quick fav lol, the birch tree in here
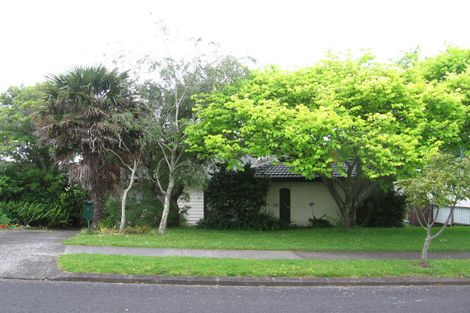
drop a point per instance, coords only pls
(130, 160)
(168, 103)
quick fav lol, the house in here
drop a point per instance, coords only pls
(290, 197)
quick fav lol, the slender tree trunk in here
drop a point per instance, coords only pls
(166, 204)
(429, 236)
(124, 198)
(424, 252)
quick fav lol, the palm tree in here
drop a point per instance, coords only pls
(77, 125)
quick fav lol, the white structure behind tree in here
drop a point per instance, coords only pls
(460, 215)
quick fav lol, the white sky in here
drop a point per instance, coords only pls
(42, 37)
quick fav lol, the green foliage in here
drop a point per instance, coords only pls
(37, 214)
(334, 112)
(4, 219)
(452, 70)
(382, 209)
(137, 213)
(17, 140)
(260, 221)
(40, 190)
(31, 184)
(452, 61)
(362, 119)
(234, 200)
(442, 182)
(142, 210)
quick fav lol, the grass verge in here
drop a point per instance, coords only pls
(329, 239)
(182, 266)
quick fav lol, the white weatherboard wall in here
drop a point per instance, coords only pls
(193, 201)
(301, 194)
(461, 214)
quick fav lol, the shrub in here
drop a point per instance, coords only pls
(260, 221)
(138, 213)
(42, 197)
(234, 200)
(36, 214)
(4, 219)
(383, 209)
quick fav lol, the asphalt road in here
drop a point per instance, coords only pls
(46, 296)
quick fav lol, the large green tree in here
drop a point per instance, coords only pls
(353, 117)
(77, 124)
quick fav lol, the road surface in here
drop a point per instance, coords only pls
(21, 296)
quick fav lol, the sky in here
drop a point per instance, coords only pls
(49, 37)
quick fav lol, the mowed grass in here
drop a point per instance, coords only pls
(188, 266)
(329, 239)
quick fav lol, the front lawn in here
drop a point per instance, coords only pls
(176, 266)
(328, 239)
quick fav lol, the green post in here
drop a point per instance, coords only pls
(88, 214)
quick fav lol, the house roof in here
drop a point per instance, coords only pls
(282, 171)
(276, 171)
(464, 204)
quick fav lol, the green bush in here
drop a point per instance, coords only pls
(383, 209)
(138, 213)
(234, 200)
(36, 214)
(4, 219)
(39, 197)
(260, 221)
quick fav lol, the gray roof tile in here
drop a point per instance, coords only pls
(279, 171)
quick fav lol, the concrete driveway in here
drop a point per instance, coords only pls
(31, 254)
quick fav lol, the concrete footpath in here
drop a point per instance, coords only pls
(259, 254)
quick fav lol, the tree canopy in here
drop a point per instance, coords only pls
(355, 117)
(17, 107)
(452, 69)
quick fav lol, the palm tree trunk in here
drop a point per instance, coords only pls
(97, 198)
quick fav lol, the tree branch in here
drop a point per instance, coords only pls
(447, 220)
(157, 180)
(418, 217)
(162, 147)
(120, 158)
